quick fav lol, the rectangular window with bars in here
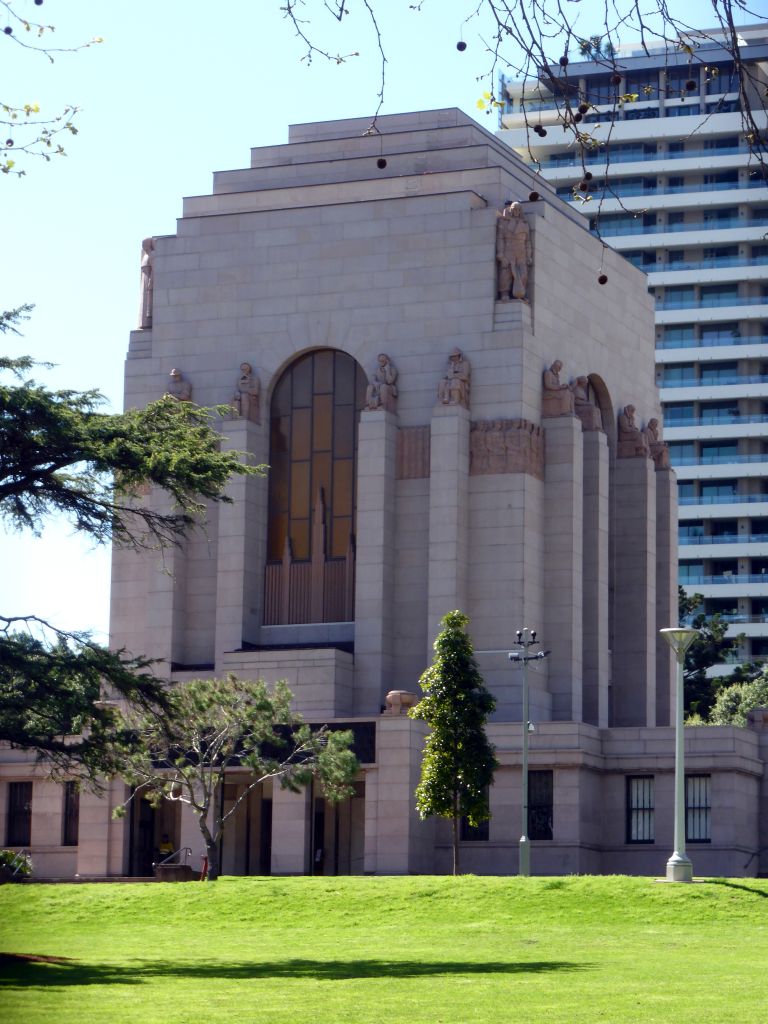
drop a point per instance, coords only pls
(698, 809)
(640, 809)
(19, 824)
(70, 824)
(540, 804)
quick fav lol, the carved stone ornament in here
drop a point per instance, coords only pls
(399, 701)
(557, 398)
(145, 303)
(382, 388)
(246, 400)
(453, 389)
(589, 414)
(513, 254)
(506, 446)
(658, 448)
(178, 387)
(632, 441)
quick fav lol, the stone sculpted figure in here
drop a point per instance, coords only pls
(178, 388)
(557, 399)
(513, 253)
(453, 389)
(382, 389)
(145, 306)
(246, 399)
(632, 441)
(658, 448)
(584, 407)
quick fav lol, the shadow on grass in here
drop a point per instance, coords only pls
(735, 885)
(25, 971)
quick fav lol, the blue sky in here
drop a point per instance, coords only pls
(178, 89)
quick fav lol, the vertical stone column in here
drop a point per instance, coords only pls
(634, 594)
(290, 831)
(595, 594)
(375, 559)
(448, 515)
(397, 842)
(563, 563)
(667, 612)
(103, 840)
(242, 543)
(166, 598)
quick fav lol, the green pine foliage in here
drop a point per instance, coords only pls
(61, 455)
(459, 762)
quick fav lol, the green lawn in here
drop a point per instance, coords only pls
(386, 951)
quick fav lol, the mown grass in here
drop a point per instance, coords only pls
(394, 950)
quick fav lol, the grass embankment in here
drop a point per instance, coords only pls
(387, 951)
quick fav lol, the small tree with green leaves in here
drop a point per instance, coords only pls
(733, 703)
(459, 762)
(212, 726)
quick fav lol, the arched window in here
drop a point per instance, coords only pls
(313, 470)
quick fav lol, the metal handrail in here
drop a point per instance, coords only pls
(186, 850)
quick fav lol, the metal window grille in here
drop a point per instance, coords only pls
(71, 815)
(698, 809)
(540, 804)
(640, 809)
(19, 830)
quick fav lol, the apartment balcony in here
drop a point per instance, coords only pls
(728, 387)
(750, 308)
(725, 428)
(742, 585)
(726, 271)
(722, 507)
(729, 467)
(728, 546)
(712, 348)
(689, 197)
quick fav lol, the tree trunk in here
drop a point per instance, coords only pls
(455, 833)
(212, 853)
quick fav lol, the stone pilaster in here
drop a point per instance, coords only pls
(290, 831)
(375, 559)
(166, 604)
(667, 611)
(242, 538)
(633, 693)
(595, 593)
(563, 563)
(397, 842)
(448, 515)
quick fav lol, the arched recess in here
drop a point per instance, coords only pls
(314, 416)
(604, 403)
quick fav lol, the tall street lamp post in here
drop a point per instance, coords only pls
(526, 638)
(679, 867)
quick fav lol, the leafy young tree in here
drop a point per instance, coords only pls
(734, 702)
(710, 648)
(459, 761)
(212, 726)
(61, 455)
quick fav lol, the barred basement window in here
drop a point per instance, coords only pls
(640, 809)
(540, 804)
(70, 825)
(698, 809)
(19, 828)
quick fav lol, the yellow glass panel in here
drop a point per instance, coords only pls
(301, 434)
(323, 373)
(300, 507)
(342, 487)
(322, 422)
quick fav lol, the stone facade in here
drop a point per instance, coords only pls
(515, 506)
